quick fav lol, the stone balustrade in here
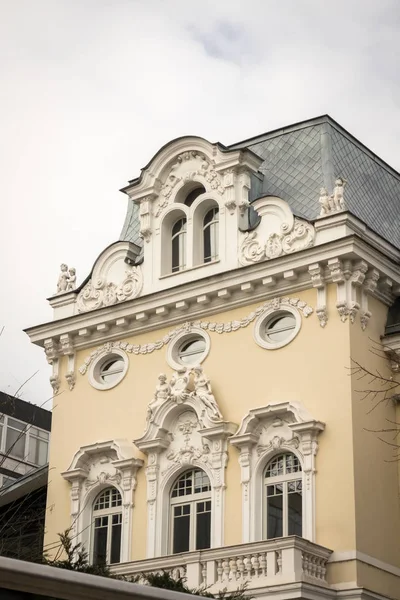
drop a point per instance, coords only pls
(258, 565)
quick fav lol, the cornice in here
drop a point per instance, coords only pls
(236, 288)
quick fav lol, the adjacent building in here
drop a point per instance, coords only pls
(212, 420)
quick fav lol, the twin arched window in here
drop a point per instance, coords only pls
(209, 240)
(107, 527)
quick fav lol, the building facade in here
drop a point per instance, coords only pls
(24, 438)
(212, 421)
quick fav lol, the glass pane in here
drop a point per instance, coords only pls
(191, 351)
(203, 525)
(116, 539)
(175, 254)
(294, 513)
(15, 443)
(100, 541)
(111, 370)
(181, 530)
(16, 424)
(279, 329)
(274, 516)
(275, 466)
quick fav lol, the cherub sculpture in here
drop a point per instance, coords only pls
(338, 199)
(63, 279)
(324, 202)
(203, 391)
(71, 285)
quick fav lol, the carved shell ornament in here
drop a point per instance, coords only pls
(220, 328)
(252, 249)
(99, 293)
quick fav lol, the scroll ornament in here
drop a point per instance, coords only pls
(253, 250)
(100, 293)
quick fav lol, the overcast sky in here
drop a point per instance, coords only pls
(90, 89)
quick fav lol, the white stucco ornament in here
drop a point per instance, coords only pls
(66, 279)
(101, 292)
(186, 383)
(277, 234)
(335, 202)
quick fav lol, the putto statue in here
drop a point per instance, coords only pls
(66, 279)
(335, 202)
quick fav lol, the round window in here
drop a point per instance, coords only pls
(188, 348)
(275, 329)
(108, 370)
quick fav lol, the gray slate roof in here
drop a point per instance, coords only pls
(302, 158)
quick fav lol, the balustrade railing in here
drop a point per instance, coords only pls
(258, 564)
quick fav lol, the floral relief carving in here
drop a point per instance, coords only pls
(252, 249)
(219, 328)
(103, 477)
(99, 293)
(188, 166)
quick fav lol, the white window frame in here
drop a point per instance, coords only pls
(174, 346)
(212, 226)
(284, 479)
(94, 373)
(106, 512)
(192, 499)
(27, 435)
(181, 235)
(268, 316)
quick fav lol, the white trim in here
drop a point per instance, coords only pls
(267, 316)
(178, 340)
(348, 555)
(96, 366)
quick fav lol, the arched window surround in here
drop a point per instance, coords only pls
(172, 215)
(200, 208)
(205, 447)
(94, 468)
(264, 433)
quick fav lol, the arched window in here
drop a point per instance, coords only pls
(210, 235)
(283, 497)
(193, 194)
(107, 526)
(179, 245)
(191, 512)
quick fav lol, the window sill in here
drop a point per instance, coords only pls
(190, 269)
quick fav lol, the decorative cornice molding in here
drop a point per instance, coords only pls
(220, 328)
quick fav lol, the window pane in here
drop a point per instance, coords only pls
(279, 329)
(111, 370)
(100, 541)
(274, 516)
(294, 512)
(16, 424)
(181, 529)
(116, 539)
(15, 443)
(191, 351)
(203, 525)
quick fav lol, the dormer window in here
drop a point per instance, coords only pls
(179, 245)
(210, 235)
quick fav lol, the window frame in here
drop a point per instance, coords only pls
(192, 500)
(181, 236)
(95, 369)
(283, 479)
(26, 431)
(109, 512)
(267, 317)
(179, 340)
(213, 225)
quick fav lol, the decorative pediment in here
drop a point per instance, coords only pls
(114, 279)
(278, 232)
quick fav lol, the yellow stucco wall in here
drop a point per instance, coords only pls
(375, 465)
(313, 370)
